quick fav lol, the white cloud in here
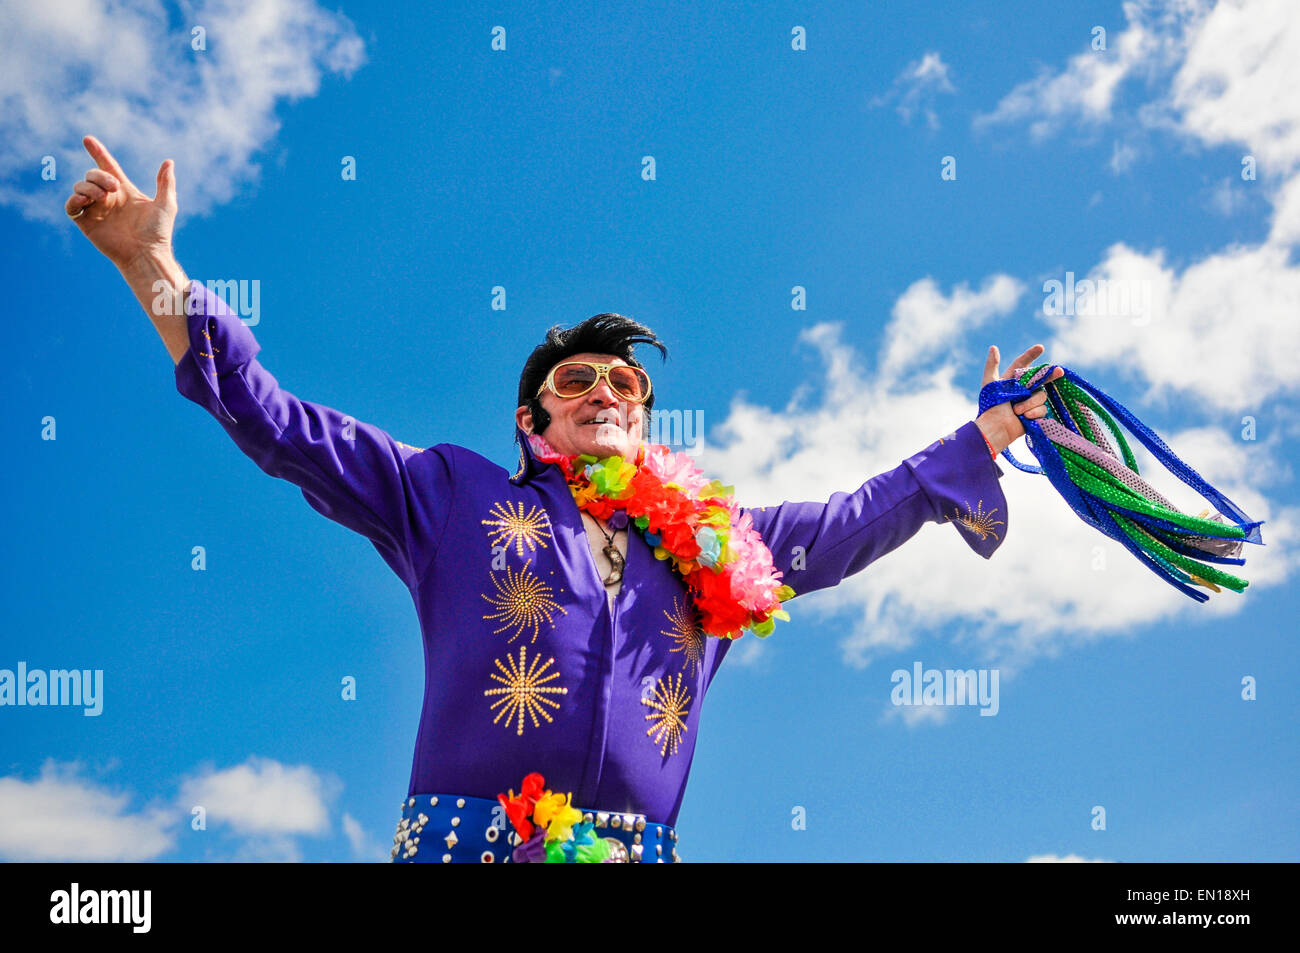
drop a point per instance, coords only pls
(1237, 86)
(915, 716)
(924, 319)
(266, 849)
(1228, 196)
(1219, 74)
(1084, 91)
(63, 816)
(749, 652)
(262, 797)
(1222, 72)
(1239, 77)
(1066, 859)
(1122, 157)
(1286, 215)
(1223, 332)
(123, 72)
(363, 847)
(916, 88)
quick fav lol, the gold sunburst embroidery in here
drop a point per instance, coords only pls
(688, 635)
(523, 600)
(409, 447)
(669, 715)
(978, 522)
(524, 690)
(513, 525)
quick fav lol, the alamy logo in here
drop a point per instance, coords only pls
(933, 686)
(59, 686)
(242, 296)
(102, 906)
(1099, 298)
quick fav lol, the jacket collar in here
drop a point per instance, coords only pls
(529, 465)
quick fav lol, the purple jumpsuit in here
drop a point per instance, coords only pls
(527, 666)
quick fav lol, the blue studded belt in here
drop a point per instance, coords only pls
(450, 829)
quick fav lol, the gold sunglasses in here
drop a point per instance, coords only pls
(575, 378)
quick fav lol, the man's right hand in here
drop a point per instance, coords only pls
(119, 219)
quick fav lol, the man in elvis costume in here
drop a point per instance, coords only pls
(554, 642)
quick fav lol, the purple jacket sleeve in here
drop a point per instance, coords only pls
(954, 479)
(392, 493)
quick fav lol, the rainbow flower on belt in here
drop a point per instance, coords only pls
(690, 520)
(552, 829)
(519, 807)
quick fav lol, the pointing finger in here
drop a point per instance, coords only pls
(103, 158)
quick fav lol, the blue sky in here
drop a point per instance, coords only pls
(775, 168)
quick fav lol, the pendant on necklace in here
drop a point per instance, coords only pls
(616, 562)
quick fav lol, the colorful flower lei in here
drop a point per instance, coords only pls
(692, 521)
(552, 831)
